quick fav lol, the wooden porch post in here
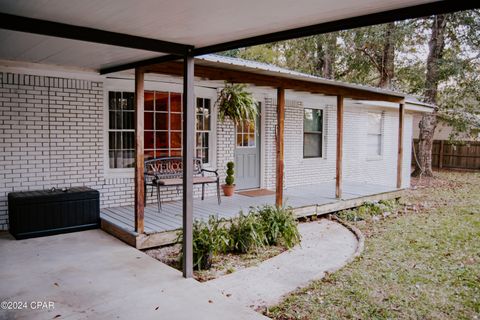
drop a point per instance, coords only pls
(188, 147)
(338, 177)
(139, 153)
(401, 116)
(280, 151)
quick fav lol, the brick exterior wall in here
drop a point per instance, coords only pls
(357, 166)
(225, 146)
(52, 135)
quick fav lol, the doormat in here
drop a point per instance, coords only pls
(257, 193)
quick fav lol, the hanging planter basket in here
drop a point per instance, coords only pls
(236, 104)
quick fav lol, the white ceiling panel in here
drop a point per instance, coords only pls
(22, 46)
(200, 22)
(194, 22)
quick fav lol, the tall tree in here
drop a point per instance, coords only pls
(429, 120)
(387, 63)
(326, 46)
(437, 58)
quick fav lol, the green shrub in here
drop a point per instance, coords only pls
(279, 226)
(368, 210)
(230, 180)
(209, 239)
(246, 233)
(349, 215)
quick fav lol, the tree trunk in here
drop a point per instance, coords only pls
(326, 54)
(387, 66)
(428, 123)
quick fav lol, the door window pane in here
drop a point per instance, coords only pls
(246, 134)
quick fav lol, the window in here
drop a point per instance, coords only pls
(312, 133)
(246, 134)
(163, 127)
(375, 123)
(163, 124)
(121, 133)
(203, 112)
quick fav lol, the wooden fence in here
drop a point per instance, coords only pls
(448, 155)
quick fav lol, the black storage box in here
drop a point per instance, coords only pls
(42, 213)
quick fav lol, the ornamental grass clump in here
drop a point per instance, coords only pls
(250, 232)
(246, 233)
(279, 225)
(209, 239)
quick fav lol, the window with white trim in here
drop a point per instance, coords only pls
(162, 127)
(375, 133)
(312, 133)
(121, 132)
(203, 129)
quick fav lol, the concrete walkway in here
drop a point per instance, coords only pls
(93, 275)
(326, 246)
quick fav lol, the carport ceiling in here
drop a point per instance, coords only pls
(203, 24)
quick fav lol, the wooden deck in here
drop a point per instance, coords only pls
(161, 227)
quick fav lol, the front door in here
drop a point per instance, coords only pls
(247, 155)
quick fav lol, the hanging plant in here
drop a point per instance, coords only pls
(235, 103)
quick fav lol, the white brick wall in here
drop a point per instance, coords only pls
(357, 167)
(51, 135)
(225, 146)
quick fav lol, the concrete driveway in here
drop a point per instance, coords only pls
(93, 275)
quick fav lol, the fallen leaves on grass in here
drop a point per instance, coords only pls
(422, 263)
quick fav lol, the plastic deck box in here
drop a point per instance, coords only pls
(48, 212)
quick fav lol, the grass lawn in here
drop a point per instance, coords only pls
(422, 262)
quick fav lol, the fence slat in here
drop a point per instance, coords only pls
(445, 154)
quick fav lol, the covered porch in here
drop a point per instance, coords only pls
(143, 40)
(161, 228)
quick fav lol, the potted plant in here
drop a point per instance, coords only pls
(235, 103)
(229, 186)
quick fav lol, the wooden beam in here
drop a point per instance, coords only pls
(218, 73)
(139, 151)
(68, 31)
(401, 120)
(140, 64)
(188, 147)
(280, 146)
(338, 176)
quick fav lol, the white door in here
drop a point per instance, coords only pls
(247, 155)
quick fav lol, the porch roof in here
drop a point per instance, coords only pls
(223, 68)
(100, 34)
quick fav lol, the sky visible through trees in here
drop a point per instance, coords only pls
(436, 59)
